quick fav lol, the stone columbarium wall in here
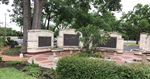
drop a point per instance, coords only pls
(144, 43)
(68, 40)
(117, 45)
(39, 41)
(120, 41)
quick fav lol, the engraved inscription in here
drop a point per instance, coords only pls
(44, 41)
(110, 43)
(71, 40)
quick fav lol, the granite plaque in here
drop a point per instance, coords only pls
(44, 41)
(71, 40)
(112, 42)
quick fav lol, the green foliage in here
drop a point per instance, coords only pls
(11, 73)
(1, 43)
(50, 73)
(1, 59)
(33, 65)
(36, 71)
(13, 51)
(9, 32)
(4, 2)
(9, 42)
(92, 36)
(131, 44)
(84, 68)
(84, 54)
(2, 32)
(77, 12)
(17, 10)
(31, 70)
(136, 21)
(16, 63)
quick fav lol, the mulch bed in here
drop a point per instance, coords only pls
(3, 64)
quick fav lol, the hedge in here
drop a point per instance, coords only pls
(71, 67)
(84, 54)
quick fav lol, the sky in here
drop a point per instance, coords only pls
(127, 5)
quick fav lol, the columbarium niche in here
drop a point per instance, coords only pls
(71, 40)
(39, 41)
(111, 43)
(68, 39)
(116, 42)
(144, 43)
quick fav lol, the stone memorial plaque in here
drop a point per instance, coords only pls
(112, 42)
(71, 40)
(44, 41)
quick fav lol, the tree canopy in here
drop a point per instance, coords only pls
(4, 1)
(65, 13)
(136, 21)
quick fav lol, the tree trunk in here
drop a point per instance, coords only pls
(26, 23)
(38, 6)
(48, 22)
(137, 37)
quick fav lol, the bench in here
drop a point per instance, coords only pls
(105, 51)
(54, 51)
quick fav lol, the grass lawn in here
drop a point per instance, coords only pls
(12, 73)
(131, 44)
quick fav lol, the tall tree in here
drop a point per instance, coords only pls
(26, 23)
(56, 11)
(17, 12)
(73, 13)
(136, 21)
(38, 7)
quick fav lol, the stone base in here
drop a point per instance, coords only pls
(39, 52)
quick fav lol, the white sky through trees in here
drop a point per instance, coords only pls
(127, 6)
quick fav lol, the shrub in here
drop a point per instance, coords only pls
(84, 54)
(49, 74)
(13, 51)
(90, 35)
(84, 68)
(34, 71)
(15, 63)
(16, 43)
(38, 72)
(9, 42)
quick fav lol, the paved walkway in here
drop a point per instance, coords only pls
(48, 60)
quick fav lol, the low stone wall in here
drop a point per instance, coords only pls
(39, 41)
(144, 43)
(119, 42)
(68, 39)
(61, 40)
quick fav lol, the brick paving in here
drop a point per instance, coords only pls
(13, 58)
(48, 60)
